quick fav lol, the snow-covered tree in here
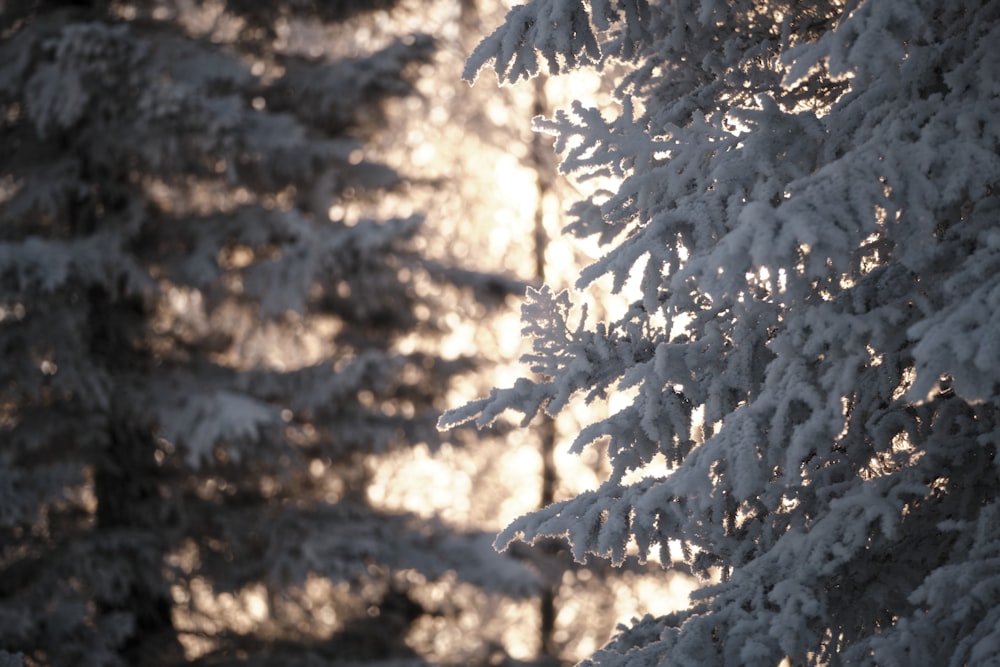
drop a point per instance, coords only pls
(806, 202)
(204, 330)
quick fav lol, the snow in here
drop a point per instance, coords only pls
(814, 199)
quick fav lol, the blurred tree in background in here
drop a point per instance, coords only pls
(206, 333)
(497, 197)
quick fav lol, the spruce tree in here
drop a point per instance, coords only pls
(806, 195)
(201, 317)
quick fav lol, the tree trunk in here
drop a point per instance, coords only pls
(546, 429)
(130, 509)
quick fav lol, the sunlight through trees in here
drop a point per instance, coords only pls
(676, 347)
(250, 252)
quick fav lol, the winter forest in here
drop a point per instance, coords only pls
(620, 333)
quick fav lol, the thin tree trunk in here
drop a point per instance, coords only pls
(546, 429)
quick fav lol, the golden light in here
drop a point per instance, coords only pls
(467, 154)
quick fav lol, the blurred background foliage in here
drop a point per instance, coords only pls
(249, 252)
